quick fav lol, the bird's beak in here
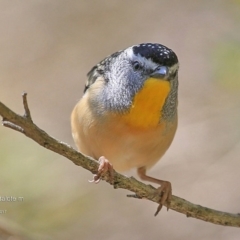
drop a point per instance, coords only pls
(160, 72)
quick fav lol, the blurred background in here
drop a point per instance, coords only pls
(47, 47)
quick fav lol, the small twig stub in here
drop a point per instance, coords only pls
(27, 113)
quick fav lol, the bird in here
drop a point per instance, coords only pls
(127, 117)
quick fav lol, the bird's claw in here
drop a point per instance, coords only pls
(104, 167)
(165, 191)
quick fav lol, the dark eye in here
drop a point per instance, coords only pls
(136, 65)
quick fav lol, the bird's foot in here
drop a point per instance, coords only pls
(104, 167)
(165, 191)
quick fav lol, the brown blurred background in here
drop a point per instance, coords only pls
(46, 49)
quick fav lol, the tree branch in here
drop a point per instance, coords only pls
(25, 125)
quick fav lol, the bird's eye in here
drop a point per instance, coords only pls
(136, 65)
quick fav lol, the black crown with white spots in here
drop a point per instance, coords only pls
(157, 53)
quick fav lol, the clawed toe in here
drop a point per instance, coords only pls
(165, 191)
(104, 167)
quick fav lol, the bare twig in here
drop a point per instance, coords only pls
(25, 125)
(27, 113)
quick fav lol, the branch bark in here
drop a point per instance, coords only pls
(25, 125)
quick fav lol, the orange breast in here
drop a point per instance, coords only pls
(145, 111)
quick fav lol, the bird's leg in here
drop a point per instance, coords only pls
(165, 190)
(104, 166)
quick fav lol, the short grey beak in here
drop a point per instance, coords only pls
(160, 72)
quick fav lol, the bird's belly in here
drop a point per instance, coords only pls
(127, 149)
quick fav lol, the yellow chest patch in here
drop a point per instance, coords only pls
(145, 111)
